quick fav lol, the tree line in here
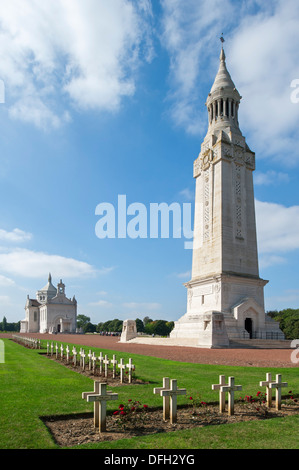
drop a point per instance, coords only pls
(5, 326)
(147, 326)
(288, 321)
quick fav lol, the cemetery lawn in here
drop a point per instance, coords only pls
(32, 386)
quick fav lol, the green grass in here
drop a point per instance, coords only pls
(31, 386)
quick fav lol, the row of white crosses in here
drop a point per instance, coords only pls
(170, 391)
(30, 342)
(103, 361)
(100, 395)
(230, 388)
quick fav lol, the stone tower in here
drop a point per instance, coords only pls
(225, 295)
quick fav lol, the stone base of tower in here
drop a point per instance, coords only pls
(207, 329)
(219, 330)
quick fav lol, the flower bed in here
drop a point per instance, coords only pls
(125, 422)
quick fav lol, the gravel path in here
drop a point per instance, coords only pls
(233, 357)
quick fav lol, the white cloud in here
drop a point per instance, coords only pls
(262, 57)
(31, 264)
(264, 60)
(189, 33)
(87, 51)
(270, 177)
(100, 303)
(6, 282)
(277, 230)
(15, 236)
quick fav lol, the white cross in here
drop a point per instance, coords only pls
(173, 392)
(52, 349)
(266, 384)
(61, 351)
(106, 361)
(47, 348)
(80, 354)
(100, 396)
(130, 366)
(94, 360)
(83, 356)
(56, 347)
(166, 399)
(67, 354)
(101, 362)
(74, 351)
(89, 359)
(221, 394)
(278, 385)
(122, 367)
(114, 363)
(231, 388)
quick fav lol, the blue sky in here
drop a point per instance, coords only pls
(107, 98)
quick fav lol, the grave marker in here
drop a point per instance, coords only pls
(278, 386)
(131, 367)
(61, 351)
(221, 394)
(94, 361)
(89, 359)
(266, 384)
(173, 393)
(56, 347)
(122, 367)
(67, 354)
(114, 363)
(231, 388)
(100, 398)
(106, 361)
(83, 356)
(74, 351)
(52, 347)
(101, 362)
(166, 399)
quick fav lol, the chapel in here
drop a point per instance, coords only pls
(51, 311)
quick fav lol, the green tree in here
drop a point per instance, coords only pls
(89, 328)
(4, 324)
(139, 325)
(82, 321)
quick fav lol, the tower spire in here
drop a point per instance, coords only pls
(224, 99)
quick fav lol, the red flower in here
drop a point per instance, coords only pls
(133, 408)
(121, 407)
(129, 400)
(258, 393)
(115, 413)
(145, 406)
(122, 412)
(190, 398)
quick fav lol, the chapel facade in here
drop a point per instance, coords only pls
(51, 311)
